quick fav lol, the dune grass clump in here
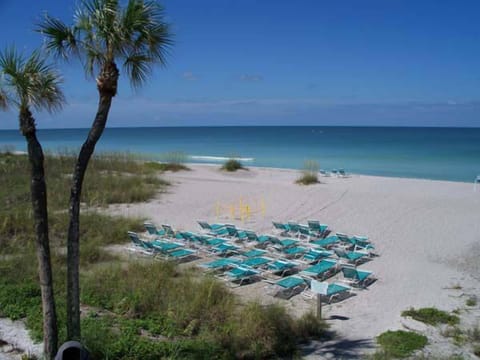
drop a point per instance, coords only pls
(233, 165)
(190, 313)
(432, 316)
(309, 173)
(172, 161)
(400, 344)
(471, 301)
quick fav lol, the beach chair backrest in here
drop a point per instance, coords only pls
(151, 229)
(314, 225)
(349, 272)
(204, 225)
(251, 236)
(168, 229)
(134, 238)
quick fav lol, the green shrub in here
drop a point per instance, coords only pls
(432, 316)
(471, 301)
(232, 165)
(309, 174)
(401, 343)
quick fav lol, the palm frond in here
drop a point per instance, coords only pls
(104, 31)
(60, 39)
(30, 81)
(137, 66)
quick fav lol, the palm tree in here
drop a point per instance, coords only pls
(102, 35)
(27, 83)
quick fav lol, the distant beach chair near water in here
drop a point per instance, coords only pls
(324, 172)
(477, 181)
(342, 173)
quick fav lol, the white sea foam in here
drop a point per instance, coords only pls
(218, 158)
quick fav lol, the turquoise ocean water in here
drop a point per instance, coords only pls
(430, 153)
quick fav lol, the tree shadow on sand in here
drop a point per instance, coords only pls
(337, 348)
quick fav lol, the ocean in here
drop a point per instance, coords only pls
(428, 153)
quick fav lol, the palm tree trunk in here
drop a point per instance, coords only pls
(107, 86)
(40, 213)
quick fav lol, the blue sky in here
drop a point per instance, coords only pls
(279, 62)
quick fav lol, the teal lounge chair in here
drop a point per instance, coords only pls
(322, 270)
(313, 255)
(253, 253)
(165, 246)
(287, 287)
(225, 249)
(240, 275)
(294, 252)
(305, 232)
(334, 291)
(221, 264)
(283, 243)
(180, 254)
(139, 245)
(320, 229)
(351, 256)
(168, 230)
(256, 262)
(294, 228)
(327, 242)
(281, 267)
(152, 229)
(281, 228)
(357, 277)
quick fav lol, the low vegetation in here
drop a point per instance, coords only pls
(309, 173)
(172, 161)
(233, 165)
(135, 309)
(432, 316)
(399, 344)
(471, 301)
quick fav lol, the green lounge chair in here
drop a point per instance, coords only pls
(287, 287)
(357, 277)
(322, 270)
(152, 229)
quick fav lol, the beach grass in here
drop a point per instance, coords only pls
(431, 316)
(232, 165)
(400, 344)
(309, 173)
(132, 310)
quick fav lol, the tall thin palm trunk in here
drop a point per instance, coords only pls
(107, 86)
(39, 202)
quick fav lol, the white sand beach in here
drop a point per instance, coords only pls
(427, 234)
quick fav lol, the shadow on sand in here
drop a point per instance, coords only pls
(337, 348)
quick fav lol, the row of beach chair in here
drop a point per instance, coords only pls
(288, 261)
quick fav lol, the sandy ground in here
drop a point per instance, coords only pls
(427, 234)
